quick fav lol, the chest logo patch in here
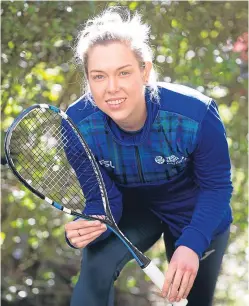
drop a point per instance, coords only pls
(170, 160)
(160, 160)
(106, 163)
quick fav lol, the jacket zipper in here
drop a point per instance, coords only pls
(139, 167)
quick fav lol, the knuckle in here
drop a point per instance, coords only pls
(180, 295)
(184, 285)
(192, 271)
(173, 264)
(182, 290)
(92, 235)
(89, 236)
(81, 244)
(97, 234)
(175, 287)
(69, 235)
(182, 269)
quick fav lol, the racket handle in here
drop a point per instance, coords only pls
(158, 279)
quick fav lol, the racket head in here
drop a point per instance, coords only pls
(37, 161)
(47, 153)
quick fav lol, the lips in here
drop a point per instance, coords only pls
(116, 101)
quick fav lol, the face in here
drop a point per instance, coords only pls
(117, 83)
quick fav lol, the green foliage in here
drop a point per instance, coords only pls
(192, 43)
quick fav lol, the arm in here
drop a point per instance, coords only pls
(82, 166)
(213, 175)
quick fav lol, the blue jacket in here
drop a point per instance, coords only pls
(177, 164)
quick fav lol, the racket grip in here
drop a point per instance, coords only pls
(158, 279)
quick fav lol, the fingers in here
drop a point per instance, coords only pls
(185, 287)
(190, 285)
(180, 287)
(175, 285)
(178, 283)
(80, 223)
(85, 239)
(183, 269)
(81, 232)
(169, 279)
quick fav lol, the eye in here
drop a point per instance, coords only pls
(98, 77)
(124, 73)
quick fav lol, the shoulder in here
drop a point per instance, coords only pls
(81, 109)
(183, 100)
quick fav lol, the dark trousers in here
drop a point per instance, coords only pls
(103, 261)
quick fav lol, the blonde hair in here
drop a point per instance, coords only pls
(117, 24)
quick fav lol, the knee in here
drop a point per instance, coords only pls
(97, 264)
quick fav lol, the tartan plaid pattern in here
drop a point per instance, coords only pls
(171, 140)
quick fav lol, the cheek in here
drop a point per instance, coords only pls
(137, 87)
(96, 90)
(132, 83)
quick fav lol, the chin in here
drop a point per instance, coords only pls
(123, 118)
(118, 117)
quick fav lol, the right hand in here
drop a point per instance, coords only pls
(81, 232)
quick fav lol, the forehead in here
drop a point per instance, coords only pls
(111, 56)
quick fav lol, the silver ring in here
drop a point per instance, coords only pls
(78, 232)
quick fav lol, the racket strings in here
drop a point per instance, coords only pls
(62, 142)
(48, 176)
(38, 148)
(38, 154)
(74, 160)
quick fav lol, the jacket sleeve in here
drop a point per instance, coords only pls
(81, 164)
(212, 171)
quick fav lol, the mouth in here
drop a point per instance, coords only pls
(117, 101)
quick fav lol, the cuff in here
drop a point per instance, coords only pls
(193, 239)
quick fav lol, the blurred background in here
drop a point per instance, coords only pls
(201, 44)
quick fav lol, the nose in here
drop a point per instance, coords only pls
(112, 86)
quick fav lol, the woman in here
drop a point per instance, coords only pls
(165, 160)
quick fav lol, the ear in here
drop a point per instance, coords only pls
(146, 72)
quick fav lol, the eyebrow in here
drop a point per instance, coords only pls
(122, 67)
